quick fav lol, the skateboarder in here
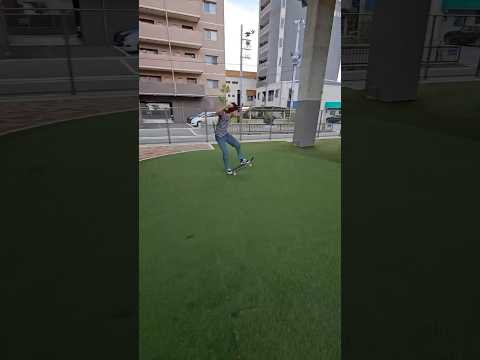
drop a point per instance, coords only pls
(223, 137)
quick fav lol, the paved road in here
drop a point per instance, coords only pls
(93, 70)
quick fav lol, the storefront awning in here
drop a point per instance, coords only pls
(461, 5)
(333, 105)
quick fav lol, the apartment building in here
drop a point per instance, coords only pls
(182, 54)
(232, 79)
(276, 85)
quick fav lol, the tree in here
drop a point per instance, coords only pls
(225, 89)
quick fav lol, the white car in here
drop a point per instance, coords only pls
(198, 119)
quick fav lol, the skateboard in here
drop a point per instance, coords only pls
(239, 167)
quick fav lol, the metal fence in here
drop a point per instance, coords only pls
(45, 50)
(168, 126)
(452, 47)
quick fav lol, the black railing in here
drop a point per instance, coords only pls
(452, 46)
(177, 125)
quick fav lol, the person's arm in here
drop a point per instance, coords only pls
(221, 111)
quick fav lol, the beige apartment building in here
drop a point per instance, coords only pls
(182, 54)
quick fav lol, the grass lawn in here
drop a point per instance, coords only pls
(410, 246)
(244, 267)
(68, 247)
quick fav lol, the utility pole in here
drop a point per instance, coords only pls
(296, 57)
(247, 48)
(241, 70)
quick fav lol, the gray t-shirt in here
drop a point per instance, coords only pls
(222, 127)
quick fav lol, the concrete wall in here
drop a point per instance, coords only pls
(248, 84)
(273, 40)
(331, 92)
(182, 107)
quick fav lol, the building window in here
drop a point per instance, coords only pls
(191, 80)
(280, 61)
(152, 78)
(189, 54)
(228, 81)
(211, 35)
(187, 27)
(212, 84)
(235, 82)
(210, 7)
(148, 51)
(276, 93)
(210, 59)
(270, 95)
(250, 98)
(149, 21)
(262, 78)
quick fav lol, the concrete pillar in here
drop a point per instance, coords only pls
(396, 47)
(312, 70)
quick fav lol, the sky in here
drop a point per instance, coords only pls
(239, 12)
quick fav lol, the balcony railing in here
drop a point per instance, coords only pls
(157, 33)
(266, 9)
(263, 49)
(185, 10)
(264, 4)
(264, 30)
(165, 63)
(153, 87)
(262, 65)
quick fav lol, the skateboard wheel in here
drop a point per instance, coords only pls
(250, 165)
(234, 174)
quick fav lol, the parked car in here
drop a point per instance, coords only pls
(198, 119)
(127, 40)
(467, 35)
(334, 123)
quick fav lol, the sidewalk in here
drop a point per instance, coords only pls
(38, 111)
(153, 151)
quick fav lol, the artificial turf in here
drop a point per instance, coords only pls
(241, 267)
(410, 244)
(69, 240)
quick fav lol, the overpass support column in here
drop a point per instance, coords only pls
(312, 70)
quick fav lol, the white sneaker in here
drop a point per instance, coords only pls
(244, 162)
(229, 172)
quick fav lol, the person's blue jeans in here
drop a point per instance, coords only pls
(222, 143)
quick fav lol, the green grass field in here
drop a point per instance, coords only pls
(68, 240)
(244, 267)
(410, 181)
